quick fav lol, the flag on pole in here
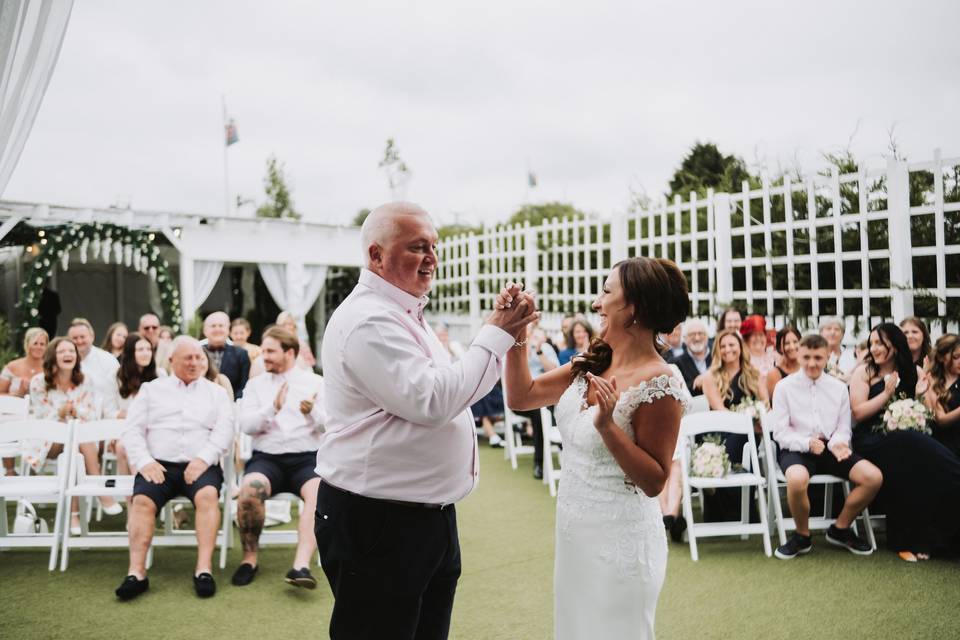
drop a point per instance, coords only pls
(232, 135)
(531, 179)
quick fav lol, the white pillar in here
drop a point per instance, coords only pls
(898, 225)
(187, 305)
(724, 253)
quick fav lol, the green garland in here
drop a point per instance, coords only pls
(130, 247)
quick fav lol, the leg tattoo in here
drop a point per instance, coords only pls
(250, 514)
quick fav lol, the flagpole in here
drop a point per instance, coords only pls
(226, 168)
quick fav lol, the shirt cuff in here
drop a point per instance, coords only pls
(837, 439)
(494, 339)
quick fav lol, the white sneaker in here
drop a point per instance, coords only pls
(496, 441)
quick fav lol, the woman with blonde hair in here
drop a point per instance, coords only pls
(15, 376)
(730, 381)
(943, 392)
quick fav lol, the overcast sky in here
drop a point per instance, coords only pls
(594, 96)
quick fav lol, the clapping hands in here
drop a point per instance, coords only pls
(607, 395)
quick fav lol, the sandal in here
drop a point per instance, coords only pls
(907, 556)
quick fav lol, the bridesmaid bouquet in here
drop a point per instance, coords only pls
(906, 414)
(753, 408)
(710, 459)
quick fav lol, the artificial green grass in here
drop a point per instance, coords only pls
(506, 534)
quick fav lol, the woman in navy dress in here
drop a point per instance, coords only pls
(921, 477)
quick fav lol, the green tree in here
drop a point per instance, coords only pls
(279, 203)
(705, 167)
(361, 217)
(536, 214)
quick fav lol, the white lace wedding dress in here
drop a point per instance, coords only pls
(611, 548)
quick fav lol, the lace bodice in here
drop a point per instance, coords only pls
(594, 486)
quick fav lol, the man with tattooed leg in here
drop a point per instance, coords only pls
(283, 411)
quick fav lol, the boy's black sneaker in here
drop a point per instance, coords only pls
(793, 547)
(847, 539)
(131, 587)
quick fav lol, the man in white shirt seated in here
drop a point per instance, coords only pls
(178, 428)
(283, 411)
(98, 365)
(811, 423)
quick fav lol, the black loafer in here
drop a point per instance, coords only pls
(538, 472)
(677, 528)
(301, 578)
(244, 574)
(131, 587)
(204, 585)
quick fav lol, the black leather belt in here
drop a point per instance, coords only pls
(401, 503)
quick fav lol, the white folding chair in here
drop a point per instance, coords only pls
(12, 408)
(551, 445)
(512, 436)
(86, 488)
(36, 488)
(729, 422)
(776, 480)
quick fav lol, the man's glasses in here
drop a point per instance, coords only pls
(151, 327)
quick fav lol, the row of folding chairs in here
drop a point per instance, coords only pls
(761, 476)
(70, 480)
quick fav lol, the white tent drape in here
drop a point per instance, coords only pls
(205, 276)
(295, 287)
(31, 33)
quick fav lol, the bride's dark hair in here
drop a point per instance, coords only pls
(657, 289)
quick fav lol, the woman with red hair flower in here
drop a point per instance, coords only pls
(754, 333)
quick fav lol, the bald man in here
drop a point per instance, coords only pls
(399, 448)
(178, 428)
(229, 360)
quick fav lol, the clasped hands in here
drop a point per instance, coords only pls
(514, 309)
(840, 450)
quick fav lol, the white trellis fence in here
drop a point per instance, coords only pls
(872, 245)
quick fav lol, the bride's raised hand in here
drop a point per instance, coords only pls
(508, 295)
(607, 395)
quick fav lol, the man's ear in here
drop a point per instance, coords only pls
(375, 253)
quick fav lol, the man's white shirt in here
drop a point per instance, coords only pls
(177, 422)
(287, 430)
(100, 368)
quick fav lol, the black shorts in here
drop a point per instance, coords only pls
(287, 472)
(825, 463)
(173, 484)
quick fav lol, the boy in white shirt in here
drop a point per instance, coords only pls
(811, 423)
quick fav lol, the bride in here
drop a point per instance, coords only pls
(618, 407)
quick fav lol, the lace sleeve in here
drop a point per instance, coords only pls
(649, 391)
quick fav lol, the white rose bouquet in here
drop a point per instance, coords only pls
(906, 414)
(753, 408)
(710, 459)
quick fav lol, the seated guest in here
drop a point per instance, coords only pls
(541, 358)
(209, 371)
(754, 332)
(918, 339)
(696, 360)
(283, 411)
(787, 344)
(842, 361)
(166, 334)
(811, 423)
(114, 339)
(452, 347)
(488, 410)
(921, 477)
(577, 338)
(943, 394)
(228, 359)
(98, 366)
(305, 360)
(861, 351)
(137, 367)
(62, 392)
(177, 430)
(16, 375)
(730, 381)
(674, 343)
(729, 319)
(240, 331)
(149, 327)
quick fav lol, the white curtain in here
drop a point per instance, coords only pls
(205, 276)
(295, 288)
(31, 32)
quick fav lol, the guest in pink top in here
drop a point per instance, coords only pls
(399, 447)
